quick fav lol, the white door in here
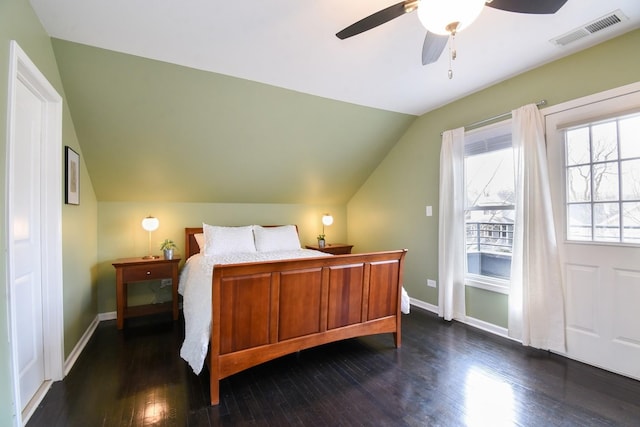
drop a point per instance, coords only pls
(34, 240)
(602, 277)
(25, 236)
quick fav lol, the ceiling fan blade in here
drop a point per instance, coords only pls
(432, 48)
(372, 21)
(538, 7)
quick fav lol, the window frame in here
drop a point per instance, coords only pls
(589, 123)
(489, 283)
(614, 102)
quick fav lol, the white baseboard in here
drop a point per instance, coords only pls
(424, 305)
(75, 353)
(486, 326)
(111, 315)
(82, 343)
(35, 401)
(471, 321)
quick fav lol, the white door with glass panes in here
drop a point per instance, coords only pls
(594, 163)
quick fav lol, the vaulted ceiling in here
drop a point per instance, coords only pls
(254, 101)
(152, 131)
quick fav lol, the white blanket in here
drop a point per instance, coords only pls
(195, 287)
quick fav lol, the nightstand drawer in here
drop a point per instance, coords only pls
(146, 272)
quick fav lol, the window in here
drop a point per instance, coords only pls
(602, 161)
(489, 204)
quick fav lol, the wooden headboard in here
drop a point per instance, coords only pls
(191, 246)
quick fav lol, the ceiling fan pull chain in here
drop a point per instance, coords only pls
(452, 53)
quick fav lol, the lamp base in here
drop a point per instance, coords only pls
(150, 257)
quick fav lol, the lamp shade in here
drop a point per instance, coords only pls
(327, 219)
(437, 15)
(150, 223)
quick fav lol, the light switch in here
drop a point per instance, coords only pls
(429, 211)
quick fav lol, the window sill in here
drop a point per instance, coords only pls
(488, 284)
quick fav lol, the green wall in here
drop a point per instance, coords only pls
(121, 235)
(389, 209)
(153, 131)
(18, 22)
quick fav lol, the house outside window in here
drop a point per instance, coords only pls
(602, 168)
(489, 206)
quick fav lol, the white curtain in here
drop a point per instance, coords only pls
(451, 234)
(536, 302)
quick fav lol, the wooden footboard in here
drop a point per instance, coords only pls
(265, 310)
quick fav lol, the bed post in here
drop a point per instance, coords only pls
(214, 361)
(214, 388)
(397, 335)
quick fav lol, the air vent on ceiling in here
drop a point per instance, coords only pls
(599, 24)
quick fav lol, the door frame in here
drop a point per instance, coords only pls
(559, 209)
(23, 70)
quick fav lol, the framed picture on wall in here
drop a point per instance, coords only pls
(71, 177)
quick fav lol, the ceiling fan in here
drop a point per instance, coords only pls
(444, 18)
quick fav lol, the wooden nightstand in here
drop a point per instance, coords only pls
(333, 248)
(129, 270)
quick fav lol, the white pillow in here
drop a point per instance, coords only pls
(270, 239)
(200, 241)
(221, 240)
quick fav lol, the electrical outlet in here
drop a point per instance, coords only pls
(431, 283)
(165, 282)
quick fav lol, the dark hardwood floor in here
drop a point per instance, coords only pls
(445, 374)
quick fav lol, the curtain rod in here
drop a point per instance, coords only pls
(499, 116)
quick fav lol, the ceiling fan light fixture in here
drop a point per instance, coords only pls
(448, 16)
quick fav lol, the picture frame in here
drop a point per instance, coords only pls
(71, 177)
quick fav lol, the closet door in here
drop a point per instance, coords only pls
(25, 238)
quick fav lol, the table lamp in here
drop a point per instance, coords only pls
(150, 224)
(327, 220)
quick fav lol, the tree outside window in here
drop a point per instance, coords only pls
(603, 181)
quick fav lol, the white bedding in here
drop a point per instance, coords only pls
(195, 287)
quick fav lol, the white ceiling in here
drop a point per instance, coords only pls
(292, 44)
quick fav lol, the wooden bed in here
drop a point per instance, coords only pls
(261, 311)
